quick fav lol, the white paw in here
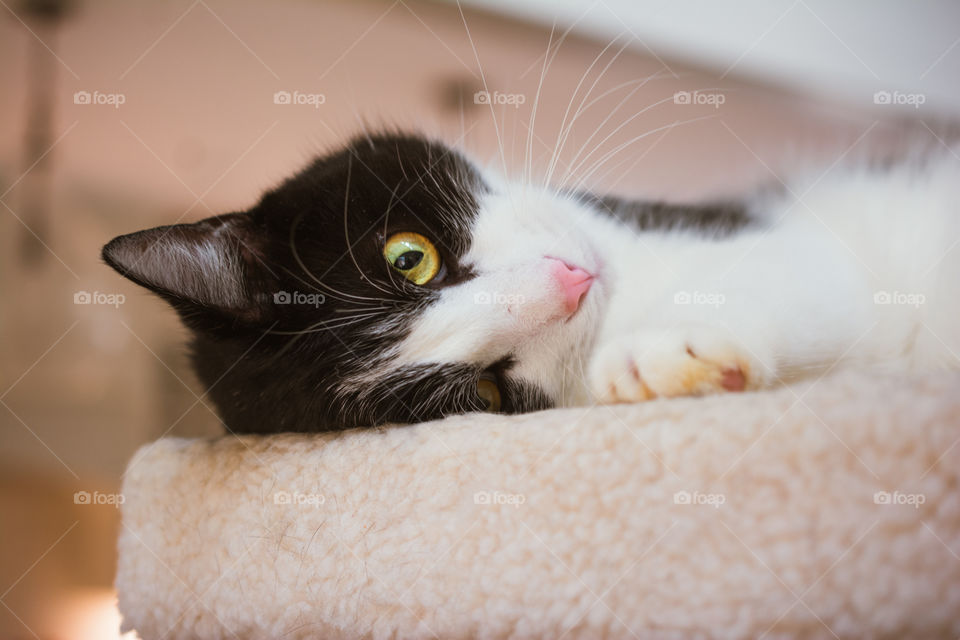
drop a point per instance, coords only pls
(688, 361)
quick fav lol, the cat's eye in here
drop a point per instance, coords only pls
(413, 256)
(489, 393)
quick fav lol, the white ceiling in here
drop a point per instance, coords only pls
(846, 50)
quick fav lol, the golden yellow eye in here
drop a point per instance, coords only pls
(489, 393)
(412, 255)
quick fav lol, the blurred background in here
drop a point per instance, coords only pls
(116, 115)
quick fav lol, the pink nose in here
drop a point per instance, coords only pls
(574, 282)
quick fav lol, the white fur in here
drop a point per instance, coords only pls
(793, 296)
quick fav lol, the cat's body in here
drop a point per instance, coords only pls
(852, 268)
(518, 298)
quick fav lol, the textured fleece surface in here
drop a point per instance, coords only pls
(738, 516)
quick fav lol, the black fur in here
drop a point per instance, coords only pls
(717, 219)
(288, 367)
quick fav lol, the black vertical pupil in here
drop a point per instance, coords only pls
(408, 260)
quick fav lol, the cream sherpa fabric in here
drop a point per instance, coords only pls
(798, 513)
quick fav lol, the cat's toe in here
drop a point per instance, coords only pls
(614, 376)
(698, 362)
(734, 380)
(723, 364)
(672, 363)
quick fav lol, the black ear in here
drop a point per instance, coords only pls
(214, 265)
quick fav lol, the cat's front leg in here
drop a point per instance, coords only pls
(687, 360)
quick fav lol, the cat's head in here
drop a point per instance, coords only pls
(390, 281)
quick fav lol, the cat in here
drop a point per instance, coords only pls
(394, 280)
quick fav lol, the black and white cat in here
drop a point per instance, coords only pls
(394, 281)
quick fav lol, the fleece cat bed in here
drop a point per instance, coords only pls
(809, 511)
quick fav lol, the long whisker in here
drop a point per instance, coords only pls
(386, 225)
(564, 127)
(596, 130)
(618, 128)
(596, 165)
(528, 153)
(296, 256)
(576, 165)
(332, 323)
(601, 179)
(643, 81)
(548, 58)
(346, 229)
(483, 78)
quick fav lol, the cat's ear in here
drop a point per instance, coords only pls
(214, 264)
